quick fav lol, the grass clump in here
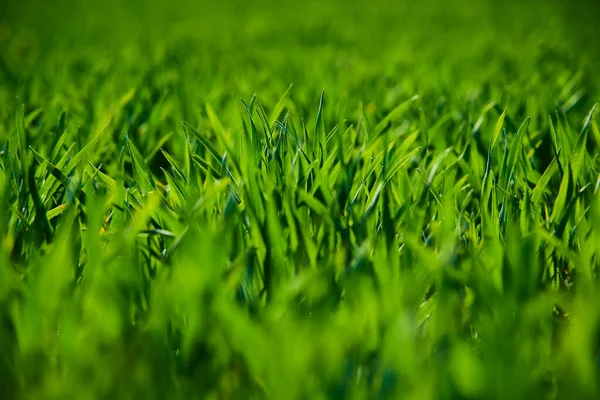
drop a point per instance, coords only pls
(428, 226)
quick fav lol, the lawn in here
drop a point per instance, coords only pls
(299, 200)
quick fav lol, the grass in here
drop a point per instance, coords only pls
(186, 212)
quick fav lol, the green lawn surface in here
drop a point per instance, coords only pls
(299, 200)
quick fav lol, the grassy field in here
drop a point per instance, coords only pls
(308, 200)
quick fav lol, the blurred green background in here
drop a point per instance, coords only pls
(358, 50)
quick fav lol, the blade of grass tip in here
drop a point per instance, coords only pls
(539, 188)
(141, 173)
(560, 228)
(254, 139)
(59, 136)
(206, 167)
(20, 129)
(387, 148)
(16, 154)
(392, 115)
(107, 180)
(305, 138)
(436, 164)
(343, 133)
(253, 100)
(494, 138)
(61, 125)
(555, 146)
(56, 211)
(510, 125)
(359, 123)
(46, 192)
(58, 145)
(589, 118)
(85, 151)
(174, 164)
(55, 171)
(400, 163)
(242, 108)
(206, 143)
(160, 232)
(84, 187)
(373, 203)
(565, 137)
(578, 155)
(279, 106)
(187, 159)
(267, 129)
(60, 164)
(331, 134)
(229, 174)
(561, 197)
(424, 127)
(41, 219)
(319, 125)
(284, 129)
(175, 190)
(513, 153)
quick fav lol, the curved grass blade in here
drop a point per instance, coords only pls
(539, 188)
(392, 115)
(141, 173)
(513, 153)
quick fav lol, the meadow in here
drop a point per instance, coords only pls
(299, 200)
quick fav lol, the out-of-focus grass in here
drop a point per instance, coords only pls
(185, 213)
